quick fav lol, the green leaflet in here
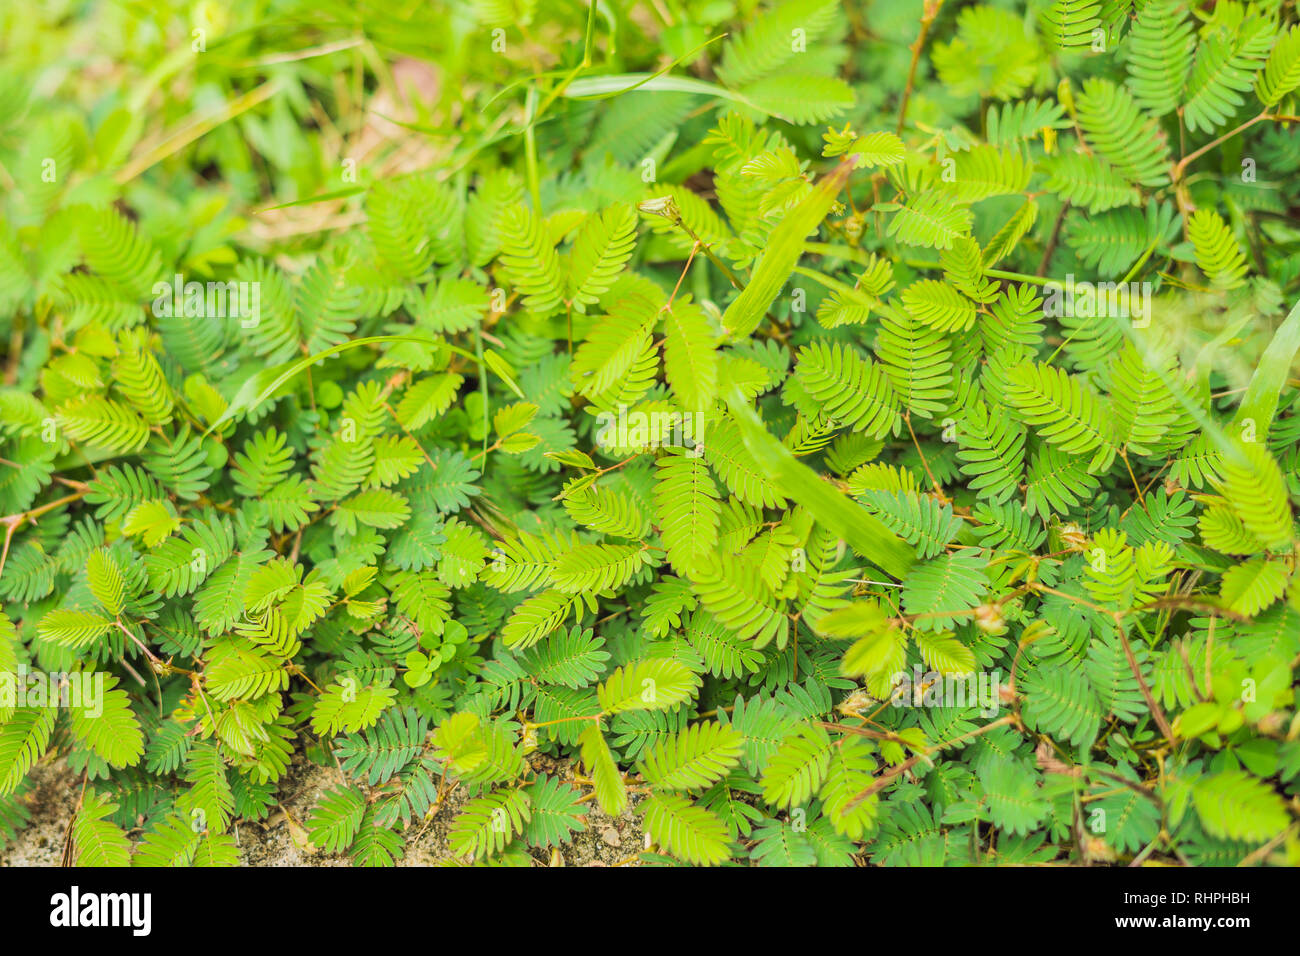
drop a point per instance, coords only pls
(269, 382)
(866, 534)
(791, 433)
(1260, 402)
(784, 247)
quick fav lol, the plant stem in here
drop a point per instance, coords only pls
(1198, 153)
(930, 11)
